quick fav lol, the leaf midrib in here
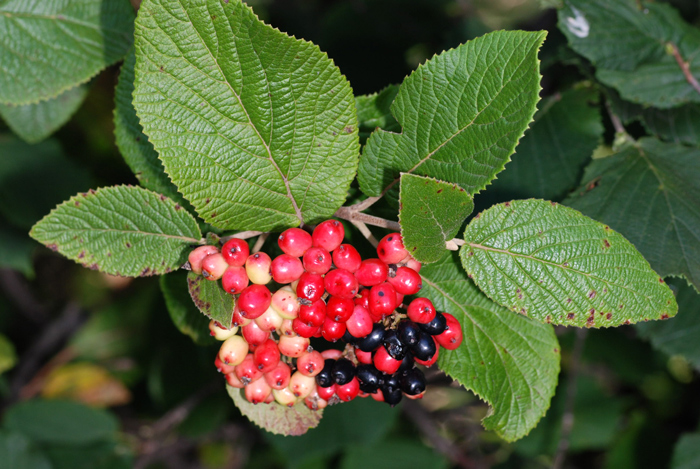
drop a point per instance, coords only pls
(139, 232)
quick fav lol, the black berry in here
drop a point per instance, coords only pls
(343, 371)
(437, 326)
(413, 382)
(393, 345)
(373, 340)
(425, 348)
(325, 378)
(408, 332)
(369, 378)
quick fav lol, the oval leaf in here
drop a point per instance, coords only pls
(120, 230)
(508, 360)
(257, 129)
(552, 263)
(50, 46)
(462, 113)
(276, 418)
(211, 299)
(431, 213)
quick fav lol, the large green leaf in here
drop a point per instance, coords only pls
(211, 299)
(686, 454)
(257, 129)
(631, 44)
(677, 125)
(276, 418)
(17, 452)
(183, 312)
(651, 194)
(462, 114)
(431, 212)
(679, 335)
(120, 230)
(553, 264)
(34, 122)
(550, 157)
(508, 360)
(50, 46)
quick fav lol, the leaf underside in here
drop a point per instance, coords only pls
(211, 299)
(508, 360)
(258, 130)
(553, 264)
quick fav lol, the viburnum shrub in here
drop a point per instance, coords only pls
(236, 131)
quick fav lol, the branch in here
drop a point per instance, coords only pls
(365, 232)
(352, 215)
(685, 67)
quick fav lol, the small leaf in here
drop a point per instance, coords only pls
(677, 125)
(258, 130)
(431, 213)
(211, 299)
(462, 114)
(184, 314)
(276, 418)
(48, 47)
(374, 111)
(553, 264)
(686, 454)
(60, 422)
(120, 230)
(650, 193)
(17, 452)
(34, 122)
(8, 356)
(508, 360)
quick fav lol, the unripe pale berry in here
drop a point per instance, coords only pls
(339, 309)
(253, 334)
(314, 402)
(371, 272)
(267, 356)
(247, 371)
(331, 354)
(310, 363)
(390, 249)
(310, 286)
(285, 304)
(341, 283)
(234, 280)
(254, 300)
(269, 320)
(328, 235)
(257, 391)
(221, 333)
(197, 256)
(360, 322)
(278, 377)
(346, 257)
(331, 330)
(293, 347)
(257, 267)
(214, 266)
(233, 350)
(382, 300)
(233, 381)
(302, 385)
(452, 337)
(286, 269)
(421, 310)
(287, 328)
(317, 261)
(284, 397)
(235, 251)
(294, 242)
(406, 281)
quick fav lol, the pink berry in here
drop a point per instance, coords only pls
(313, 314)
(233, 350)
(346, 257)
(237, 319)
(304, 329)
(339, 309)
(341, 283)
(214, 266)
(253, 334)
(310, 286)
(286, 269)
(269, 320)
(452, 337)
(293, 347)
(411, 263)
(384, 362)
(348, 391)
(406, 281)
(285, 303)
(371, 272)
(382, 300)
(328, 235)
(331, 330)
(235, 251)
(390, 249)
(247, 371)
(314, 402)
(310, 363)
(234, 280)
(421, 310)
(222, 367)
(233, 381)
(363, 357)
(257, 267)
(278, 377)
(360, 323)
(302, 385)
(258, 391)
(317, 261)
(331, 354)
(294, 242)
(254, 300)
(267, 356)
(197, 256)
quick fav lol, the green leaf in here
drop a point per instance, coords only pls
(8, 356)
(276, 418)
(550, 158)
(257, 129)
(393, 454)
(678, 336)
(678, 125)
(134, 146)
(686, 454)
(17, 452)
(34, 122)
(650, 193)
(374, 111)
(16, 250)
(184, 314)
(102, 455)
(553, 264)
(120, 230)
(631, 43)
(62, 422)
(508, 360)
(462, 113)
(52, 176)
(50, 46)
(211, 299)
(431, 213)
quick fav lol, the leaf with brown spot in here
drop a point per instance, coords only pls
(210, 298)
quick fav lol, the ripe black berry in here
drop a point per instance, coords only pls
(413, 382)
(436, 326)
(406, 364)
(325, 378)
(425, 348)
(393, 345)
(409, 332)
(349, 338)
(392, 396)
(369, 378)
(343, 371)
(373, 340)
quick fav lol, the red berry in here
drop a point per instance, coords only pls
(234, 280)
(222, 367)
(326, 393)
(317, 261)
(346, 257)
(254, 300)
(286, 304)
(304, 329)
(328, 235)
(384, 362)
(267, 356)
(339, 309)
(399, 299)
(390, 249)
(348, 391)
(310, 286)
(406, 281)
(286, 269)
(233, 350)
(235, 251)
(278, 377)
(310, 363)
(378, 396)
(382, 300)
(197, 256)
(253, 334)
(363, 299)
(371, 272)
(433, 359)
(214, 266)
(341, 283)
(247, 371)
(258, 391)
(363, 357)
(360, 323)
(293, 347)
(331, 330)
(451, 338)
(313, 314)
(233, 381)
(421, 310)
(294, 242)
(257, 267)
(237, 319)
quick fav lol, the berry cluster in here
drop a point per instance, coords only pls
(329, 292)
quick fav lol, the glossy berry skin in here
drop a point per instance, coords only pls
(310, 286)
(451, 338)
(411, 263)
(236, 252)
(197, 256)
(304, 329)
(371, 272)
(331, 330)
(313, 314)
(412, 382)
(421, 310)
(278, 377)
(234, 280)
(223, 368)
(257, 391)
(385, 362)
(369, 378)
(363, 357)
(406, 281)
(310, 363)
(435, 327)
(382, 300)
(286, 269)
(392, 396)
(326, 393)
(317, 260)
(396, 349)
(425, 348)
(239, 320)
(294, 242)
(254, 300)
(341, 283)
(247, 371)
(328, 235)
(339, 309)
(253, 334)
(432, 360)
(346, 257)
(406, 364)
(302, 385)
(233, 381)
(285, 303)
(360, 323)
(269, 320)
(390, 249)
(324, 378)
(284, 397)
(233, 350)
(257, 267)
(363, 299)
(332, 354)
(267, 356)
(373, 340)
(343, 371)
(409, 332)
(347, 392)
(293, 347)
(214, 266)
